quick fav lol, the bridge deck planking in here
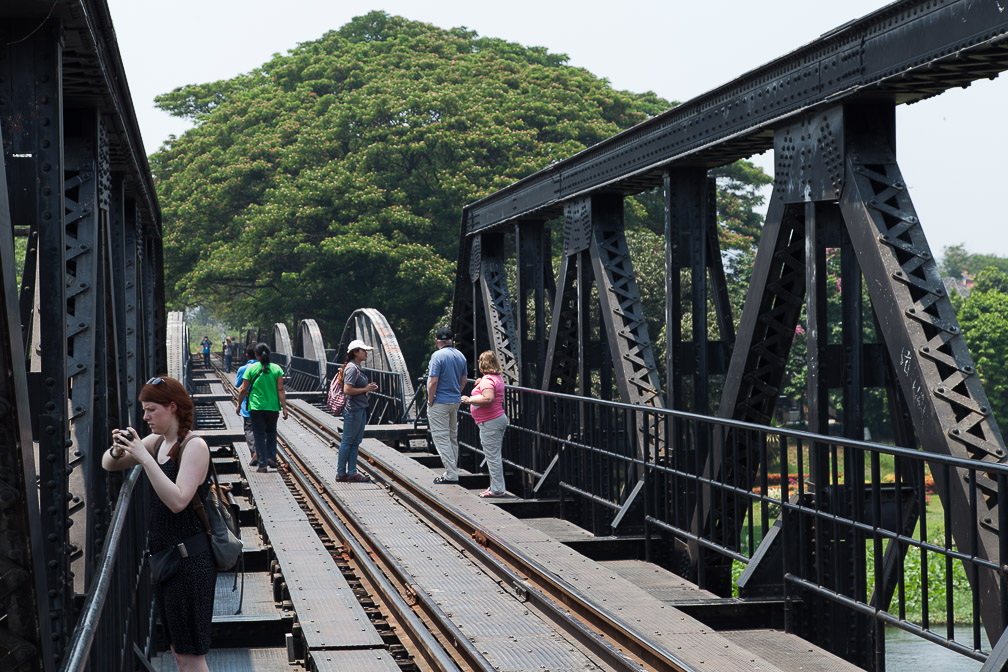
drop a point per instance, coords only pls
(232, 420)
(326, 607)
(506, 632)
(658, 582)
(684, 636)
(357, 661)
(234, 660)
(256, 602)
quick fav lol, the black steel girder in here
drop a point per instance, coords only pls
(901, 53)
(918, 324)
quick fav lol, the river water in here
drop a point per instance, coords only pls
(908, 653)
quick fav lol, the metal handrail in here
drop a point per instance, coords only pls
(79, 649)
(807, 437)
(648, 471)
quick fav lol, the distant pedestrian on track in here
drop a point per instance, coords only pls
(356, 387)
(206, 352)
(185, 598)
(246, 418)
(263, 384)
(487, 401)
(446, 376)
(228, 354)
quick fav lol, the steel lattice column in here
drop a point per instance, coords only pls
(535, 284)
(766, 332)
(84, 221)
(32, 113)
(691, 243)
(566, 360)
(493, 290)
(622, 310)
(25, 633)
(934, 369)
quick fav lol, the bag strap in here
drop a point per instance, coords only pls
(197, 504)
(256, 377)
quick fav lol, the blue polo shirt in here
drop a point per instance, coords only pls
(238, 382)
(449, 365)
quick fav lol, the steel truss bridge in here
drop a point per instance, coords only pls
(806, 517)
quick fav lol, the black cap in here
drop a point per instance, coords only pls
(444, 334)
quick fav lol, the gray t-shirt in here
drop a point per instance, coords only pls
(355, 377)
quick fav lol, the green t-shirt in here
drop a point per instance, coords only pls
(263, 395)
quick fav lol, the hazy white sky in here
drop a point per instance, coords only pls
(952, 149)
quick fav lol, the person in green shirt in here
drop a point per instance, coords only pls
(263, 385)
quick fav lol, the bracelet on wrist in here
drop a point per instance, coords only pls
(113, 453)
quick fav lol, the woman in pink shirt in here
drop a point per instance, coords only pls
(487, 401)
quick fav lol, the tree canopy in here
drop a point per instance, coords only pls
(333, 177)
(984, 321)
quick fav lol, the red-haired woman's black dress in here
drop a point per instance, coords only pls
(186, 599)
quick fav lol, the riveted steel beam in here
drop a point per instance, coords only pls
(536, 286)
(622, 311)
(24, 628)
(32, 117)
(934, 369)
(496, 300)
(903, 52)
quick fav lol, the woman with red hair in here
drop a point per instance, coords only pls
(178, 477)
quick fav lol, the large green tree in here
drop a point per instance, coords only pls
(334, 177)
(984, 321)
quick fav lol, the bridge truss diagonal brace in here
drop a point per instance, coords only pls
(622, 311)
(947, 403)
(493, 288)
(565, 362)
(24, 630)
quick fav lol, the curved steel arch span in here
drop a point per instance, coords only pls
(369, 325)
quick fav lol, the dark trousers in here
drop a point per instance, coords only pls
(227, 363)
(264, 424)
(206, 360)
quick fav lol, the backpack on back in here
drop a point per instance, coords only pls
(336, 398)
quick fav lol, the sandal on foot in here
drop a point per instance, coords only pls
(357, 478)
(441, 480)
(490, 493)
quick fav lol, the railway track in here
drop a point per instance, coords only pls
(420, 632)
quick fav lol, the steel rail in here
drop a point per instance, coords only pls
(506, 565)
(428, 645)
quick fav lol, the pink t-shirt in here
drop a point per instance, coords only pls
(496, 407)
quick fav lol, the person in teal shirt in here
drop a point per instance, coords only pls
(250, 358)
(262, 384)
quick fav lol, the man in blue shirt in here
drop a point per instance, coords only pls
(246, 418)
(446, 376)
